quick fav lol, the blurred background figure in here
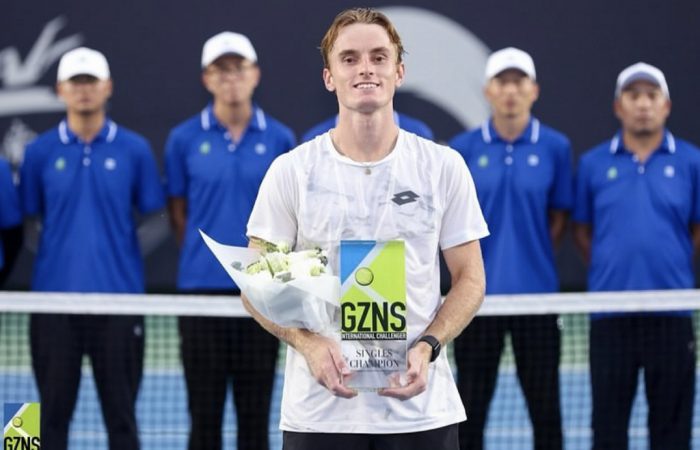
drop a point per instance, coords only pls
(638, 226)
(522, 171)
(10, 222)
(83, 180)
(215, 162)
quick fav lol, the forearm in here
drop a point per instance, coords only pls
(459, 308)
(466, 295)
(177, 213)
(582, 239)
(557, 226)
(695, 235)
(295, 337)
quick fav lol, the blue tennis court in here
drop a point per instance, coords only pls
(164, 423)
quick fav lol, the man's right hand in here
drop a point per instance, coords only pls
(326, 362)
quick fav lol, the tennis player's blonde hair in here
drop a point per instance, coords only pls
(359, 15)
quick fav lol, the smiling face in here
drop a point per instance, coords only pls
(363, 68)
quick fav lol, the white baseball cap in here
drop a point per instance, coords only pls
(641, 71)
(510, 58)
(83, 61)
(227, 43)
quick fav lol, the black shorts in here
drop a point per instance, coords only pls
(445, 438)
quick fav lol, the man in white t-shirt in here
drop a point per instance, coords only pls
(367, 180)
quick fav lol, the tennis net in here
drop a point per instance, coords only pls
(162, 405)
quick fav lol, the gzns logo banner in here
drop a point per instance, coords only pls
(21, 431)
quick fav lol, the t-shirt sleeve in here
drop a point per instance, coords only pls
(274, 215)
(10, 213)
(561, 195)
(149, 192)
(30, 185)
(462, 219)
(175, 167)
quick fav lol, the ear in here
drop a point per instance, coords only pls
(487, 92)
(59, 89)
(110, 87)
(256, 75)
(328, 80)
(536, 91)
(400, 74)
(617, 108)
(207, 81)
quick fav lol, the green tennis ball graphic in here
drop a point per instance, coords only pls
(364, 276)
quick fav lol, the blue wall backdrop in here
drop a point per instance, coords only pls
(154, 50)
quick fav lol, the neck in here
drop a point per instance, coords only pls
(86, 126)
(365, 137)
(235, 117)
(642, 145)
(510, 128)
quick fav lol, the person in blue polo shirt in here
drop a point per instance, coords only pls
(215, 162)
(523, 176)
(408, 123)
(637, 223)
(10, 221)
(83, 180)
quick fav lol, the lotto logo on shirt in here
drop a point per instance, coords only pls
(21, 431)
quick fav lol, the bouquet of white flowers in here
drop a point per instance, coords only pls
(291, 289)
(277, 262)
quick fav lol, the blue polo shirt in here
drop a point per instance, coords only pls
(640, 214)
(403, 121)
(517, 184)
(10, 212)
(220, 179)
(85, 194)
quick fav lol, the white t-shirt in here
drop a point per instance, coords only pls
(421, 193)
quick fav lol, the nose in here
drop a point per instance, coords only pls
(643, 101)
(366, 67)
(510, 87)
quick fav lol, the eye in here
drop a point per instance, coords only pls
(348, 59)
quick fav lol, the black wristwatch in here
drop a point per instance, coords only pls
(434, 343)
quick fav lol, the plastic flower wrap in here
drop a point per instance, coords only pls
(291, 289)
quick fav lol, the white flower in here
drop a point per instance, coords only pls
(278, 262)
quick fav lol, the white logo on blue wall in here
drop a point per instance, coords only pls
(20, 93)
(457, 86)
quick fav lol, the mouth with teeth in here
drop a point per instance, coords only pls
(366, 85)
